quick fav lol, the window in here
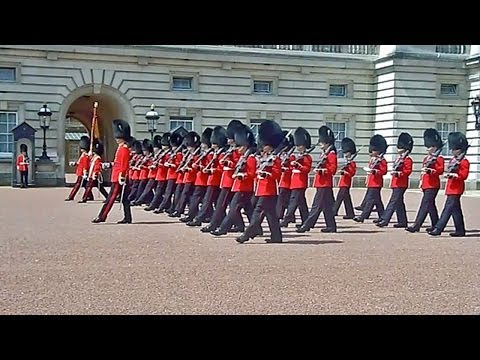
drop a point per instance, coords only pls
(8, 120)
(262, 87)
(185, 121)
(338, 90)
(339, 130)
(73, 150)
(182, 83)
(7, 74)
(449, 89)
(445, 128)
(254, 126)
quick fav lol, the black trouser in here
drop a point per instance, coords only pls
(265, 207)
(344, 197)
(133, 190)
(146, 196)
(195, 200)
(241, 200)
(297, 200)
(364, 201)
(209, 200)
(185, 197)
(115, 190)
(24, 178)
(220, 212)
(282, 201)
(372, 198)
(323, 201)
(159, 191)
(452, 207)
(427, 207)
(167, 198)
(176, 197)
(396, 204)
(80, 182)
(90, 185)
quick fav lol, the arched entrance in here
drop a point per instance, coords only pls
(79, 106)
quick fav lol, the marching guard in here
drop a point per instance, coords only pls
(161, 175)
(119, 177)
(82, 165)
(347, 172)
(95, 178)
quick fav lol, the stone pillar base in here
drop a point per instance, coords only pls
(45, 173)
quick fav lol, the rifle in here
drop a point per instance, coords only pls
(215, 156)
(400, 160)
(453, 166)
(430, 162)
(174, 152)
(323, 158)
(349, 161)
(187, 160)
(158, 158)
(201, 157)
(229, 152)
(268, 160)
(242, 162)
(302, 155)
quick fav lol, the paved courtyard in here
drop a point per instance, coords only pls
(54, 261)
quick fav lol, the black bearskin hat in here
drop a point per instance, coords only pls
(177, 136)
(157, 139)
(137, 147)
(431, 137)
(325, 135)
(206, 135)
(192, 139)
(244, 136)
(302, 137)
(219, 136)
(84, 143)
(23, 148)
(98, 148)
(232, 125)
(121, 130)
(405, 141)
(270, 133)
(147, 145)
(165, 139)
(378, 143)
(131, 142)
(457, 141)
(348, 145)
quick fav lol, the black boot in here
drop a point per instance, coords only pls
(242, 238)
(382, 223)
(194, 223)
(97, 220)
(218, 232)
(125, 221)
(207, 229)
(435, 232)
(329, 230)
(457, 234)
(358, 219)
(302, 229)
(400, 226)
(413, 229)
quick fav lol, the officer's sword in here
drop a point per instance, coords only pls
(121, 195)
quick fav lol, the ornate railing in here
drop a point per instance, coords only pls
(451, 49)
(344, 49)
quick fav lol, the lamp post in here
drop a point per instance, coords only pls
(476, 111)
(44, 116)
(152, 119)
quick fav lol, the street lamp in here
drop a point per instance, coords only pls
(476, 111)
(152, 118)
(44, 116)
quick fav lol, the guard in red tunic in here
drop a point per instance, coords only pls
(432, 168)
(457, 172)
(301, 165)
(376, 169)
(347, 173)
(121, 132)
(324, 172)
(95, 178)
(189, 171)
(147, 195)
(284, 183)
(147, 149)
(22, 165)
(402, 168)
(243, 178)
(82, 164)
(227, 162)
(213, 168)
(270, 140)
(135, 173)
(161, 176)
(175, 157)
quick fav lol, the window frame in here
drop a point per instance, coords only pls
(443, 84)
(7, 155)
(338, 141)
(185, 119)
(182, 77)
(345, 93)
(446, 152)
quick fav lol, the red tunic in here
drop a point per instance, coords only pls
(21, 164)
(286, 176)
(95, 167)
(227, 168)
(324, 179)
(201, 177)
(348, 174)
(246, 185)
(432, 180)
(269, 185)
(172, 169)
(82, 164)
(401, 181)
(375, 180)
(144, 169)
(161, 169)
(120, 163)
(299, 178)
(456, 186)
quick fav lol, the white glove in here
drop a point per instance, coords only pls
(72, 163)
(121, 181)
(106, 165)
(85, 177)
